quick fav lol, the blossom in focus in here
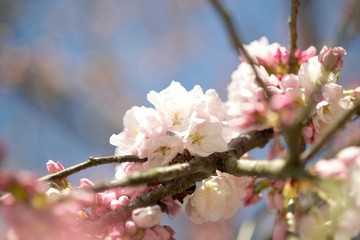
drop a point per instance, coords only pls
(175, 105)
(139, 123)
(160, 151)
(204, 137)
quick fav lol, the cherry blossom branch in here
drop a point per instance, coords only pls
(177, 186)
(262, 168)
(237, 147)
(91, 162)
(163, 174)
(236, 41)
(293, 35)
(340, 122)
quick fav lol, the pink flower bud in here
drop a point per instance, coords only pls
(114, 204)
(123, 200)
(86, 183)
(107, 198)
(147, 217)
(53, 167)
(331, 58)
(130, 227)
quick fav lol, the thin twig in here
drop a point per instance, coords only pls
(293, 35)
(237, 43)
(91, 162)
(339, 123)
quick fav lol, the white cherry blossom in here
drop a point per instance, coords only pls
(204, 137)
(160, 151)
(217, 197)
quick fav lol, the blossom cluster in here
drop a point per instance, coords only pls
(181, 120)
(314, 85)
(183, 125)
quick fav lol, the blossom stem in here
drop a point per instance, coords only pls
(330, 132)
(236, 41)
(293, 35)
(91, 162)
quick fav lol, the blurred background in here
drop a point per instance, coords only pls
(70, 69)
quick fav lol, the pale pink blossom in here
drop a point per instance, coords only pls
(333, 105)
(204, 137)
(217, 197)
(349, 155)
(312, 75)
(139, 123)
(268, 55)
(246, 105)
(160, 151)
(332, 168)
(331, 58)
(304, 55)
(175, 105)
(147, 217)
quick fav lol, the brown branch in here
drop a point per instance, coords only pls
(277, 169)
(293, 35)
(163, 174)
(237, 147)
(91, 162)
(339, 123)
(237, 43)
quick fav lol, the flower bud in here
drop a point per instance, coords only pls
(53, 167)
(147, 217)
(331, 58)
